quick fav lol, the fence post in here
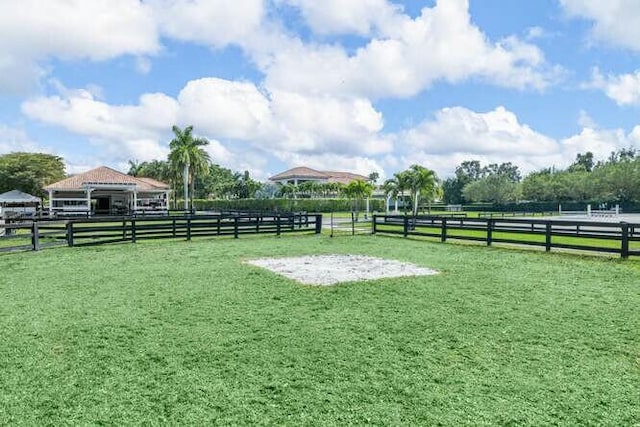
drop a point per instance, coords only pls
(318, 223)
(257, 224)
(353, 224)
(235, 227)
(35, 236)
(489, 231)
(624, 249)
(218, 226)
(443, 234)
(373, 224)
(173, 226)
(70, 234)
(278, 225)
(406, 226)
(547, 240)
(188, 228)
(133, 231)
(124, 229)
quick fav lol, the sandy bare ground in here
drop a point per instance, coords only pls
(327, 270)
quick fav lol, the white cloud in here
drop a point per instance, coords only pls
(534, 33)
(440, 44)
(13, 139)
(624, 89)
(457, 134)
(231, 114)
(122, 132)
(614, 21)
(225, 109)
(315, 124)
(458, 129)
(586, 121)
(600, 142)
(347, 17)
(214, 22)
(74, 29)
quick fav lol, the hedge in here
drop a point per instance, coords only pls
(284, 205)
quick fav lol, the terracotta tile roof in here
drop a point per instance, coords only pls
(153, 182)
(308, 173)
(299, 172)
(105, 175)
(345, 177)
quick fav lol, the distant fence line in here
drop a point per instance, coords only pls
(565, 234)
(36, 235)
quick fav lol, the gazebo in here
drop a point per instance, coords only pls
(16, 203)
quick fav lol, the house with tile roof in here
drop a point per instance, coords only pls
(298, 175)
(106, 191)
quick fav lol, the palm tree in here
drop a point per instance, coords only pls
(421, 180)
(135, 167)
(188, 155)
(403, 179)
(391, 190)
(358, 190)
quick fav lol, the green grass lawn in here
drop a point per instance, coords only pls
(175, 332)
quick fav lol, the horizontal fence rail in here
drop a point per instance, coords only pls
(618, 238)
(36, 235)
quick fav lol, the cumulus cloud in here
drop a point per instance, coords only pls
(624, 89)
(459, 129)
(75, 29)
(121, 131)
(15, 139)
(214, 22)
(457, 134)
(440, 44)
(361, 17)
(614, 21)
(601, 142)
(238, 113)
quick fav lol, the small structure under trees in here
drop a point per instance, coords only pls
(16, 203)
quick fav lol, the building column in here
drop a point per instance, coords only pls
(167, 195)
(50, 202)
(88, 191)
(135, 201)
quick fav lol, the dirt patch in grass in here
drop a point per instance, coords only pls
(327, 270)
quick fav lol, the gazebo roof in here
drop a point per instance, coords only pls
(17, 196)
(106, 176)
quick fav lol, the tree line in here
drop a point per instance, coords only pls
(615, 179)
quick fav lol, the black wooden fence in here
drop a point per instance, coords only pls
(83, 232)
(612, 237)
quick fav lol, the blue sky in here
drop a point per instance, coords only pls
(357, 85)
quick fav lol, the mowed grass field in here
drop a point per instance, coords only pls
(176, 332)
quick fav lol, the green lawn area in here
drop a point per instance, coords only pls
(176, 332)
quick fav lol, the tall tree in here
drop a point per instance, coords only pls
(358, 190)
(583, 162)
(188, 156)
(391, 190)
(373, 177)
(29, 172)
(422, 181)
(134, 167)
